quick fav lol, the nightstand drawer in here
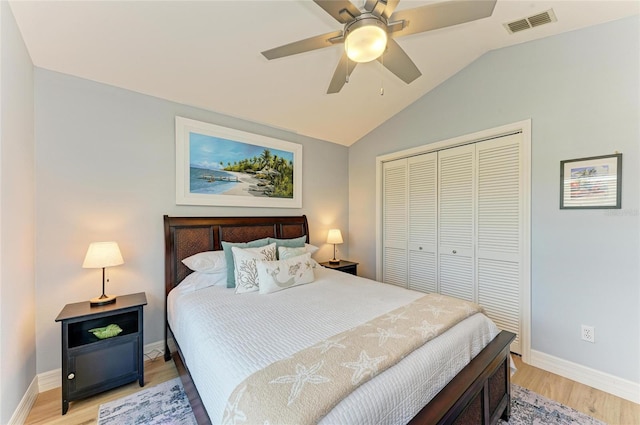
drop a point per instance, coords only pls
(351, 269)
(343, 266)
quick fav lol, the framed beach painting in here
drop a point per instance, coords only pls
(220, 166)
(594, 182)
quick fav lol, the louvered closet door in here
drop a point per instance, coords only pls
(394, 223)
(499, 235)
(422, 219)
(456, 193)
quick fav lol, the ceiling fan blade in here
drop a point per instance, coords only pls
(341, 73)
(381, 7)
(342, 11)
(397, 61)
(440, 15)
(301, 46)
(391, 6)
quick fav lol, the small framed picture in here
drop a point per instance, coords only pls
(593, 182)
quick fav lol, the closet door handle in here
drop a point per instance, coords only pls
(455, 252)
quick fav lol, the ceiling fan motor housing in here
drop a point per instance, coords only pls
(365, 37)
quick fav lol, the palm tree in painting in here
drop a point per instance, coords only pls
(266, 158)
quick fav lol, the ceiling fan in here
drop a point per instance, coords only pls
(369, 33)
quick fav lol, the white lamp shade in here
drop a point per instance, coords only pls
(102, 254)
(365, 43)
(334, 236)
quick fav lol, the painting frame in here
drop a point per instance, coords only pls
(234, 189)
(591, 183)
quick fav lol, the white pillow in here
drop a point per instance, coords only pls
(207, 262)
(284, 253)
(197, 280)
(311, 248)
(246, 273)
(278, 275)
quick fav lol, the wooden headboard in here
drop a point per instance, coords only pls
(185, 236)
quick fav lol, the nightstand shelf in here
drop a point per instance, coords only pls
(91, 365)
(343, 266)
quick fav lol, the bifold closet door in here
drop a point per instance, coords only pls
(422, 222)
(394, 223)
(500, 231)
(456, 217)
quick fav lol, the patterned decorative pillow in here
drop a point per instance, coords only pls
(228, 255)
(278, 275)
(246, 273)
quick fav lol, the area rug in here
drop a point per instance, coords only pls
(529, 408)
(167, 404)
(163, 404)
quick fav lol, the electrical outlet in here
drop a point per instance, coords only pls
(588, 333)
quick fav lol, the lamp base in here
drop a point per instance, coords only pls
(102, 300)
(334, 261)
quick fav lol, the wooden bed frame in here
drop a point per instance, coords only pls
(479, 394)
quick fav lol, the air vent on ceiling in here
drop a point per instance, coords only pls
(545, 17)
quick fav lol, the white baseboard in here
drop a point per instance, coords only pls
(53, 378)
(600, 380)
(49, 380)
(24, 407)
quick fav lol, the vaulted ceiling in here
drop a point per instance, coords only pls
(207, 54)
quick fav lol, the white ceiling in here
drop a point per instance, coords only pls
(207, 54)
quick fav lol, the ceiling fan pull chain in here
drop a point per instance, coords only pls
(382, 76)
(346, 78)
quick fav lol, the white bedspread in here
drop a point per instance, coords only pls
(225, 337)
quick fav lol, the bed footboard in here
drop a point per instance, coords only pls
(479, 394)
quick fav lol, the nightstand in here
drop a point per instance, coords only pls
(343, 266)
(91, 365)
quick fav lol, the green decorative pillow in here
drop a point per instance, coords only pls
(107, 331)
(289, 243)
(228, 255)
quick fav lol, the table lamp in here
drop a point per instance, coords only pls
(102, 255)
(334, 237)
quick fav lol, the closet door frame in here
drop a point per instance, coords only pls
(521, 126)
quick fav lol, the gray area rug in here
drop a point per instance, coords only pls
(164, 404)
(529, 408)
(167, 404)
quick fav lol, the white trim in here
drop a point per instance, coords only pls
(53, 378)
(600, 380)
(523, 126)
(49, 380)
(154, 350)
(24, 407)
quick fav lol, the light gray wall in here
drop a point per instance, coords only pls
(105, 170)
(581, 90)
(17, 277)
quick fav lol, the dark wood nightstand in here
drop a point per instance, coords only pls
(343, 266)
(91, 365)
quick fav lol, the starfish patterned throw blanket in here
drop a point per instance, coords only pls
(303, 388)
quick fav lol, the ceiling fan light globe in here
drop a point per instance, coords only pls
(365, 43)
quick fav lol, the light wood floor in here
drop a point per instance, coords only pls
(606, 407)
(48, 406)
